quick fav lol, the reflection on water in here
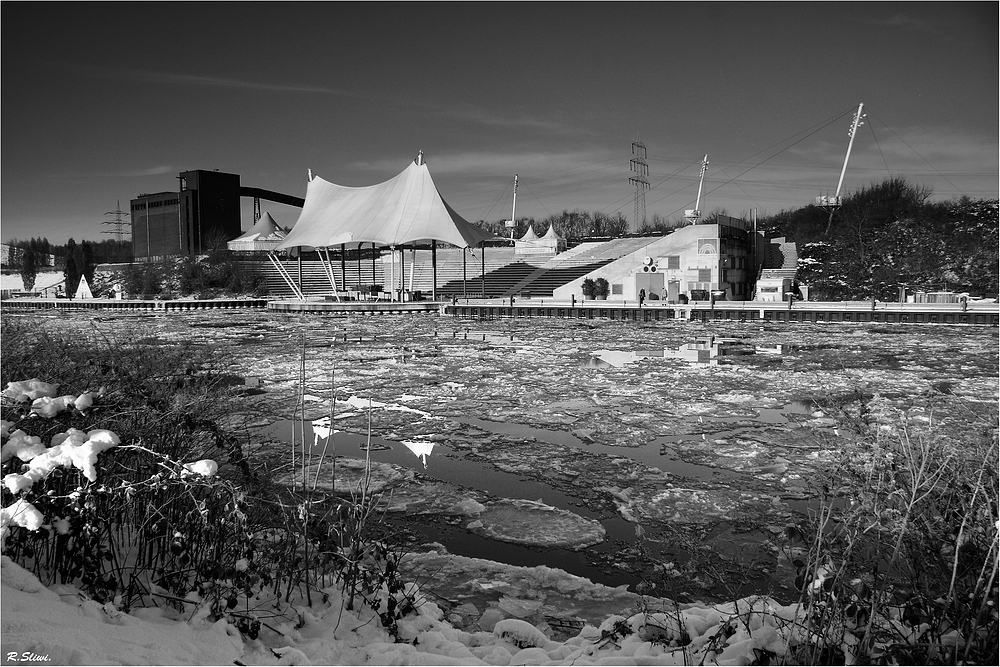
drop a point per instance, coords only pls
(705, 351)
(484, 336)
(421, 449)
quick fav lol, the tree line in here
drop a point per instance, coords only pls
(888, 236)
(76, 260)
(105, 251)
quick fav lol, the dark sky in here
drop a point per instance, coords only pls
(102, 102)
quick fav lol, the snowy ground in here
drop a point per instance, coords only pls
(676, 462)
(59, 626)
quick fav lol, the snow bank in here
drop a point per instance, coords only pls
(69, 630)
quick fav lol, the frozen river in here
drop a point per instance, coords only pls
(672, 452)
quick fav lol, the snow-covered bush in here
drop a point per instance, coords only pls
(169, 510)
(899, 564)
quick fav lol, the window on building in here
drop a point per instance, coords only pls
(704, 275)
(617, 288)
(673, 261)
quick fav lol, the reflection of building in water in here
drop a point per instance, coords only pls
(705, 351)
(420, 449)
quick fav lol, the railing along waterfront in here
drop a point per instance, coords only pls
(703, 311)
(153, 305)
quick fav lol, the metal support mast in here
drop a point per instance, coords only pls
(512, 223)
(638, 166)
(118, 223)
(693, 215)
(826, 202)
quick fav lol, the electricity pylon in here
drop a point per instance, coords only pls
(638, 165)
(118, 222)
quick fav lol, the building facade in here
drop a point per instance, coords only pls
(688, 264)
(202, 216)
(156, 229)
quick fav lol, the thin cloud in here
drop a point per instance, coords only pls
(151, 171)
(175, 78)
(475, 162)
(906, 22)
(481, 116)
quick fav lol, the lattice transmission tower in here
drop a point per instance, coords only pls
(118, 223)
(638, 166)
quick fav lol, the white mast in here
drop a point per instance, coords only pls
(512, 223)
(833, 203)
(858, 120)
(694, 215)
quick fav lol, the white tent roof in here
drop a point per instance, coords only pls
(529, 235)
(404, 209)
(265, 229)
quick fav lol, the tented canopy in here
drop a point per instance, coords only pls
(404, 209)
(264, 235)
(532, 244)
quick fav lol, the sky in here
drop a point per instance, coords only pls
(104, 102)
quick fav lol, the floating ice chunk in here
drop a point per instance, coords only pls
(364, 403)
(519, 607)
(205, 467)
(468, 507)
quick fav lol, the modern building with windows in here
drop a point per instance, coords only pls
(689, 263)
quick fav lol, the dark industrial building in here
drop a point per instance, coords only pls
(202, 216)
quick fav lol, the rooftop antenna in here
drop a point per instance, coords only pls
(833, 203)
(641, 183)
(512, 223)
(118, 223)
(693, 215)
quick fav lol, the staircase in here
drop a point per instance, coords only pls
(572, 264)
(503, 269)
(780, 262)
